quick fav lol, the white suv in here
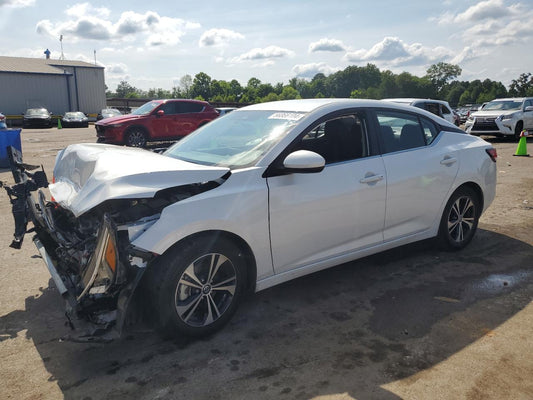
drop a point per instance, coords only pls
(502, 117)
(437, 107)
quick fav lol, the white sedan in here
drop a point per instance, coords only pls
(269, 193)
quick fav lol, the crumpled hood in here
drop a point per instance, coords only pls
(86, 175)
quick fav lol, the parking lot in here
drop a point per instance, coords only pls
(413, 322)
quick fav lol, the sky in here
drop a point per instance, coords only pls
(152, 44)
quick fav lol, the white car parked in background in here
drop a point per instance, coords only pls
(502, 117)
(269, 193)
(437, 107)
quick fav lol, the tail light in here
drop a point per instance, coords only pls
(493, 154)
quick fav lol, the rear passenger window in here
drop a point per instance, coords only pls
(430, 131)
(187, 107)
(400, 131)
(444, 109)
(433, 108)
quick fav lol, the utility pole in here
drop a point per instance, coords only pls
(61, 41)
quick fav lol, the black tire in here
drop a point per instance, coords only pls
(518, 129)
(197, 286)
(459, 220)
(136, 137)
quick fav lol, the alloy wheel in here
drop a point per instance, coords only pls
(461, 219)
(205, 290)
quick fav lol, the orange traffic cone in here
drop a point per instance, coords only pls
(521, 150)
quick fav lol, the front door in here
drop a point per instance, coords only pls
(317, 216)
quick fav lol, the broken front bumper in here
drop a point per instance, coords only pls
(97, 290)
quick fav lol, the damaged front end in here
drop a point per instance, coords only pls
(90, 257)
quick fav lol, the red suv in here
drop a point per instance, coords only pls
(155, 120)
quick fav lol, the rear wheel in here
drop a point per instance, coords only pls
(460, 219)
(136, 137)
(197, 286)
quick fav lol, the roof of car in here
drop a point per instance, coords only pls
(308, 105)
(408, 100)
(513, 99)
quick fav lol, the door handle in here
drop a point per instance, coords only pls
(371, 179)
(448, 160)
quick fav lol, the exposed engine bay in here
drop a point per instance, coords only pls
(90, 257)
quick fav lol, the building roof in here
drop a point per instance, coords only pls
(40, 65)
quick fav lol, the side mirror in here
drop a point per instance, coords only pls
(304, 161)
(160, 113)
(529, 108)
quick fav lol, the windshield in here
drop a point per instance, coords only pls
(74, 115)
(37, 111)
(238, 140)
(503, 105)
(146, 108)
(111, 112)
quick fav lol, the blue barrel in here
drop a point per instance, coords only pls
(8, 137)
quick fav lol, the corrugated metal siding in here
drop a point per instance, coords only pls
(87, 89)
(23, 91)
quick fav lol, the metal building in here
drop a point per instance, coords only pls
(57, 85)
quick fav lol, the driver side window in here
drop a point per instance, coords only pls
(338, 139)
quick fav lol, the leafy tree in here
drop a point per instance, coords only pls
(318, 85)
(124, 89)
(235, 89)
(270, 97)
(439, 74)
(522, 86)
(289, 93)
(185, 86)
(201, 86)
(388, 87)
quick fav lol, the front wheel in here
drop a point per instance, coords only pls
(197, 286)
(460, 219)
(518, 130)
(136, 137)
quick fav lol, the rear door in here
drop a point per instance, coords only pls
(420, 171)
(188, 117)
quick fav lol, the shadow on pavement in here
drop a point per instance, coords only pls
(349, 329)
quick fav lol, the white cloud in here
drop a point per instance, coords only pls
(218, 37)
(261, 54)
(326, 44)
(87, 22)
(264, 64)
(392, 51)
(467, 54)
(116, 69)
(310, 70)
(490, 9)
(81, 9)
(16, 3)
(491, 23)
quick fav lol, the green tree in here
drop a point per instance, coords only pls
(124, 89)
(289, 93)
(185, 86)
(201, 86)
(522, 86)
(439, 74)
